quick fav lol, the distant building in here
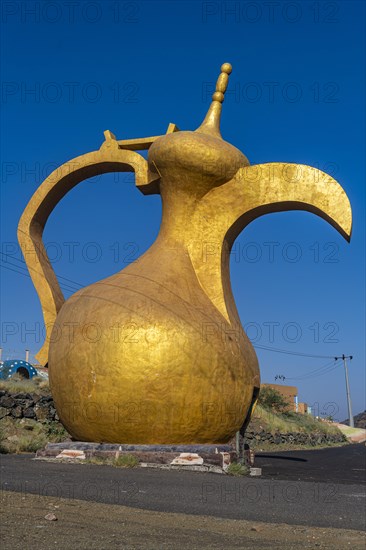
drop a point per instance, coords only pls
(303, 408)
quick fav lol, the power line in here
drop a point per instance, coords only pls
(4, 264)
(327, 365)
(325, 369)
(22, 266)
(64, 286)
(288, 352)
(27, 275)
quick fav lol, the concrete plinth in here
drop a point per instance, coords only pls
(193, 457)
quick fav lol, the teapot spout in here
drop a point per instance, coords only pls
(254, 191)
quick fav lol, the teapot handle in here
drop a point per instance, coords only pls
(109, 158)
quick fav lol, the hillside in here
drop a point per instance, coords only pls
(268, 430)
(359, 420)
(289, 422)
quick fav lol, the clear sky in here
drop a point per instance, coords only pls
(71, 70)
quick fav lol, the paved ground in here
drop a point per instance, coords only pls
(341, 465)
(94, 526)
(300, 499)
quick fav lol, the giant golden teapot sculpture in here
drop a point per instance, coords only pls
(156, 353)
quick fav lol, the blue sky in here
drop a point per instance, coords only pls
(296, 94)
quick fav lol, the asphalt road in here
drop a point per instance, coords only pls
(345, 465)
(303, 498)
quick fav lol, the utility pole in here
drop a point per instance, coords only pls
(350, 415)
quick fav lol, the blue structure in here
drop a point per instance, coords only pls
(17, 366)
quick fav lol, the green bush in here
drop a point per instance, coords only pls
(18, 384)
(125, 461)
(237, 469)
(120, 461)
(56, 433)
(27, 436)
(272, 400)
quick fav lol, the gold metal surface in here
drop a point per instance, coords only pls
(156, 353)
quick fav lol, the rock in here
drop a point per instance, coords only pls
(4, 412)
(25, 403)
(7, 401)
(50, 517)
(29, 427)
(46, 398)
(17, 412)
(41, 411)
(29, 413)
(20, 396)
(35, 397)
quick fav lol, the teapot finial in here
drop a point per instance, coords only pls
(211, 123)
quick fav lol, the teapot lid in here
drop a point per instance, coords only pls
(211, 123)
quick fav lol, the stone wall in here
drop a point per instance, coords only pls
(27, 405)
(255, 439)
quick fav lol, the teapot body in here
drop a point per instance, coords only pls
(144, 357)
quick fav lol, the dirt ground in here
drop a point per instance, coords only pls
(91, 525)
